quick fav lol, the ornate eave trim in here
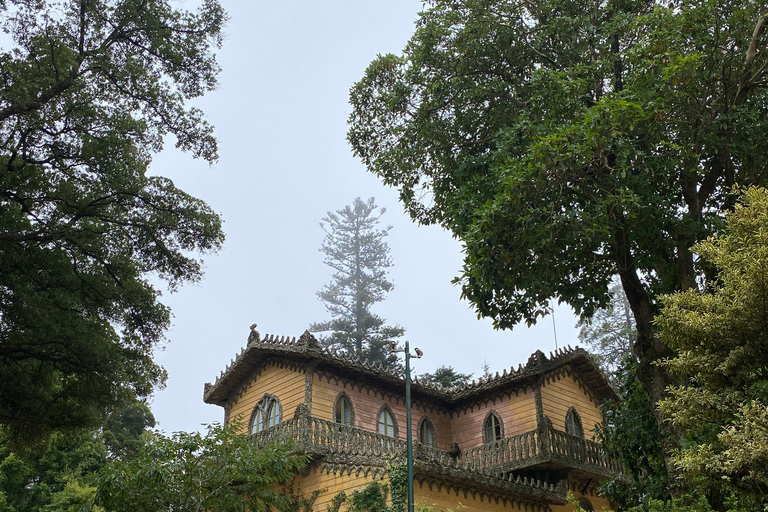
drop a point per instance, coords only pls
(306, 348)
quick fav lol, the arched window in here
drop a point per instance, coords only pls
(273, 413)
(257, 421)
(342, 410)
(493, 429)
(386, 422)
(586, 504)
(573, 423)
(266, 414)
(427, 435)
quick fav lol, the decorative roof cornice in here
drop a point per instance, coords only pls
(307, 348)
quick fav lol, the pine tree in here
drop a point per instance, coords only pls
(355, 249)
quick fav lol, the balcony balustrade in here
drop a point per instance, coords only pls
(543, 447)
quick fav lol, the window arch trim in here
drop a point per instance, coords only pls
(497, 427)
(573, 423)
(336, 413)
(265, 414)
(425, 422)
(386, 409)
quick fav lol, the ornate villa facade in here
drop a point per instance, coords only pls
(515, 441)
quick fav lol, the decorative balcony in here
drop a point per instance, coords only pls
(492, 464)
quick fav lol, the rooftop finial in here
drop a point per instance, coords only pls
(254, 337)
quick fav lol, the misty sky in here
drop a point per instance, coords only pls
(280, 113)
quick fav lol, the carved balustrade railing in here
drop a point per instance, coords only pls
(321, 436)
(569, 447)
(514, 451)
(344, 439)
(544, 445)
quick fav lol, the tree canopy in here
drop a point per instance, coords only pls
(721, 344)
(88, 92)
(446, 377)
(59, 473)
(221, 470)
(355, 249)
(566, 143)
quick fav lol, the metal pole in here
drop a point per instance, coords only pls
(409, 437)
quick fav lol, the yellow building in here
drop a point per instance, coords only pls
(515, 441)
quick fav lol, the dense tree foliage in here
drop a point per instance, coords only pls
(446, 377)
(222, 470)
(566, 143)
(355, 249)
(59, 474)
(88, 91)
(629, 434)
(721, 344)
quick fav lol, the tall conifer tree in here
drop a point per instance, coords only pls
(355, 249)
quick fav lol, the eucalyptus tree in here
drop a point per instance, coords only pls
(355, 249)
(566, 143)
(88, 92)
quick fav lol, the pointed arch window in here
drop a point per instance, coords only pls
(257, 421)
(342, 410)
(573, 423)
(386, 422)
(427, 434)
(493, 428)
(585, 504)
(267, 413)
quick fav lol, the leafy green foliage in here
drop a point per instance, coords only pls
(373, 498)
(398, 479)
(685, 503)
(123, 430)
(629, 434)
(55, 476)
(566, 143)
(88, 92)
(721, 339)
(446, 377)
(59, 473)
(222, 470)
(355, 249)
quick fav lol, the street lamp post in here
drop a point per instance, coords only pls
(408, 430)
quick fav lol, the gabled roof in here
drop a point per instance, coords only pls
(306, 349)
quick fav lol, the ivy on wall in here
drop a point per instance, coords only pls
(373, 498)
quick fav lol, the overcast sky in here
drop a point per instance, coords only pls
(280, 112)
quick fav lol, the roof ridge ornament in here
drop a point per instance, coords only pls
(536, 359)
(308, 341)
(254, 336)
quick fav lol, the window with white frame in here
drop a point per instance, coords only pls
(267, 413)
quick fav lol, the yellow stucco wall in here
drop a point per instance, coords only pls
(286, 383)
(559, 392)
(330, 484)
(438, 497)
(443, 499)
(599, 503)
